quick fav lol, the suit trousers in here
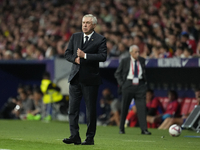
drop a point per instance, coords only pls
(78, 90)
(138, 92)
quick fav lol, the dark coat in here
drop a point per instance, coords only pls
(96, 52)
(123, 70)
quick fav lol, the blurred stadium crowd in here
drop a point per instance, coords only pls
(41, 29)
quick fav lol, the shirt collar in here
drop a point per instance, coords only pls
(88, 35)
(133, 59)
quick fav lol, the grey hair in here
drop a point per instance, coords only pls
(94, 19)
(131, 48)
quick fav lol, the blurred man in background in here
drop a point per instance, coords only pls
(111, 109)
(131, 78)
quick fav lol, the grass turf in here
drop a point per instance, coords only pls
(38, 135)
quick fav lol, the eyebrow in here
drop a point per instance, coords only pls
(86, 21)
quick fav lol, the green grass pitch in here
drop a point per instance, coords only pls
(38, 135)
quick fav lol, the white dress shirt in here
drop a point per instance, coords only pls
(89, 36)
(130, 74)
(84, 39)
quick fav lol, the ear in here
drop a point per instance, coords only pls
(94, 25)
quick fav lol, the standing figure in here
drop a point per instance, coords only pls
(85, 50)
(131, 78)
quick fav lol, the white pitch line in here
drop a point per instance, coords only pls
(16, 139)
(192, 142)
(137, 141)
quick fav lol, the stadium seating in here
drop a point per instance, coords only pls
(186, 105)
(164, 101)
(192, 105)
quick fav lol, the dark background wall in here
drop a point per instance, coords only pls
(13, 73)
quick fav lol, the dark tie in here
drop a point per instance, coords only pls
(136, 69)
(86, 41)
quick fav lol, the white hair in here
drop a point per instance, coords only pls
(94, 19)
(133, 46)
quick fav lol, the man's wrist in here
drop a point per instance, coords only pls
(85, 56)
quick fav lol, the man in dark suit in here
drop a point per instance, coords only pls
(131, 78)
(85, 50)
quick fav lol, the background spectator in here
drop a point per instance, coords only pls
(24, 106)
(131, 118)
(170, 111)
(37, 112)
(154, 107)
(179, 121)
(179, 52)
(6, 111)
(111, 109)
(187, 53)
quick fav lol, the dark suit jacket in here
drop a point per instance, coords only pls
(96, 52)
(123, 70)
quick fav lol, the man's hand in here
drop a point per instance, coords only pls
(80, 53)
(77, 60)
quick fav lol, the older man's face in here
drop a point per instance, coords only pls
(87, 25)
(135, 53)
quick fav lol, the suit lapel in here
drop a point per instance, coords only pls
(92, 38)
(128, 64)
(141, 63)
(80, 40)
